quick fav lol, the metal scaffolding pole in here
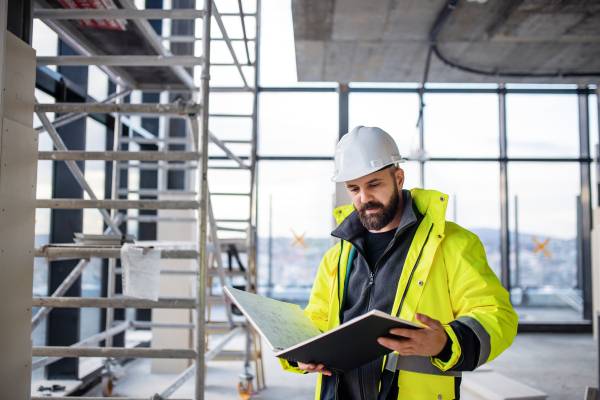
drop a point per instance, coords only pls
(119, 108)
(79, 155)
(77, 204)
(121, 61)
(70, 251)
(196, 159)
(91, 13)
(74, 168)
(113, 302)
(122, 327)
(203, 209)
(70, 117)
(229, 45)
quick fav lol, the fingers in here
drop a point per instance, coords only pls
(407, 333)
(314, 368)
(430, 322)
(321, 369)
(403, 347)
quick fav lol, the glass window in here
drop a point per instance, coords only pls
(44, 40)
(94, 175)
(474, 200)
(412, 174)
(93, 223)
(302, 195)
(544, 270)
(395, 113)
(298, 124)
(542, 125)
(277, 47)
(467, 128)
(97, 83)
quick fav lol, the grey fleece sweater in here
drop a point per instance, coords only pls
(363, 383)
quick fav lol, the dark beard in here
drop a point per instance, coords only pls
(381, 218)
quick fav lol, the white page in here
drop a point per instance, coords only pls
(282, 324)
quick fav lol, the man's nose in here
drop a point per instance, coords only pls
(365, 197)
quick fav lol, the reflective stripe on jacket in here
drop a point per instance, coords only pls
(445, 276)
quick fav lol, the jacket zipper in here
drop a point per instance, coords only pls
(371, 282)
(413, 271)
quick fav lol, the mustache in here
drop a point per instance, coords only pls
(370, 205)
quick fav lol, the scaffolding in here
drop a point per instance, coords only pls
(208, 250)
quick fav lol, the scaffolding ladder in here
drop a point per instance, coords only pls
(209, 249)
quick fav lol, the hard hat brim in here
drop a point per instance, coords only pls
(350, 175)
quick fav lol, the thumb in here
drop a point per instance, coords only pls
(430, 322)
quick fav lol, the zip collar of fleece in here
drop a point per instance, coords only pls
(431, 203)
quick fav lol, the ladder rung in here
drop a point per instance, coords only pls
(112, 302)
(169, 140)
(246, 221)
(60, 252)
(214, 272)
(232, 355)
(117, 13)
(229, 194)
(121, 60)
(172, 167)
(237, 141)
(155, 192)
(226, 168)
(115, 352)
(231, 115)
(222, 228)
(231, 89)
(154, 218)
(117, 204)
(96, 398)
(75, 155)
(107, 108)
(119, 271)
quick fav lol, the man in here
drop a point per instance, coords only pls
(399, 255)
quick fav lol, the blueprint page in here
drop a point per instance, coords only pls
(282, 324)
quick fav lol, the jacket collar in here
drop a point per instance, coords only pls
(350, 226)
(431, 203)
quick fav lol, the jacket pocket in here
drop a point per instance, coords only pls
(415, 386)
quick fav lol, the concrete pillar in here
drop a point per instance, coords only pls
(174, 286)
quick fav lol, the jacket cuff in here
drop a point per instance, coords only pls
(288, 367)
(456, 351)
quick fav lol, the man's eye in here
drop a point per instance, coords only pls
(375, 185)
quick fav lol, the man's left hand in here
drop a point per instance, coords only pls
(429, 341)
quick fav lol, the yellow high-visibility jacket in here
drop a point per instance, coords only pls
(455, 282)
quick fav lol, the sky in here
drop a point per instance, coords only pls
(305, 124)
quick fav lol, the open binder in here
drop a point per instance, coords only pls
(294, 337)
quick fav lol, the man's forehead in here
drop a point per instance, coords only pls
(373, 176)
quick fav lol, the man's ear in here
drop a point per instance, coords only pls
(400, 178)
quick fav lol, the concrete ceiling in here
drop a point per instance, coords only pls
(387, 40)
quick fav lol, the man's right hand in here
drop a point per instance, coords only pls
(314, 368)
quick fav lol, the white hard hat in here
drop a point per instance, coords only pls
(362, 152)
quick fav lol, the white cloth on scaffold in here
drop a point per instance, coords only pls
(141, 271)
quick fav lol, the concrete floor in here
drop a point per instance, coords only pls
(561, 365)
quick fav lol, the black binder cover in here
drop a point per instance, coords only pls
(350, 345)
